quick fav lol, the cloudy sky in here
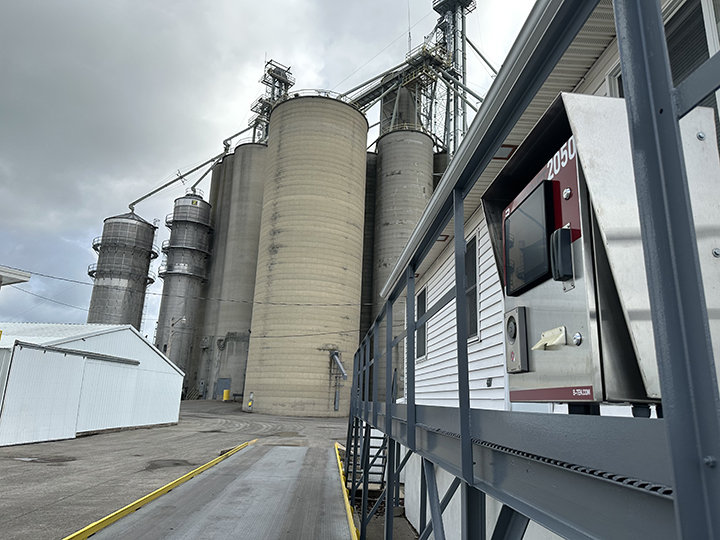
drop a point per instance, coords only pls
(100, 102)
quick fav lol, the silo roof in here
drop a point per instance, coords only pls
(130, 215)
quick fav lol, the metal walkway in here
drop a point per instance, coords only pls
(262, 492)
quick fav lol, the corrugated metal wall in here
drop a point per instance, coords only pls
(52, 395)
(42, 397)
(436, 373)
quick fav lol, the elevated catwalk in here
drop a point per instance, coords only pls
(262, 492)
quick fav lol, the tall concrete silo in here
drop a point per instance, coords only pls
(404, 187)
(366, 309)
(184, 272)
(232, 281)
(121, 274)
(307, 290)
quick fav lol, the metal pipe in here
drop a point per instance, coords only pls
(460, 84)
(464, 66)
(481, 55)
(452, 89)
(367, 107)
(375, 78)
(335, 355)
(204, 175)
(226, 142)
(171, 182)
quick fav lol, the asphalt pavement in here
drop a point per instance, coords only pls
(50, 490)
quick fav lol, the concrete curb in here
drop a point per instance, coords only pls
(354, 533)
(91, 529)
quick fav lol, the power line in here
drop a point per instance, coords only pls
(291, 304)
(46, 298)
(382, 51)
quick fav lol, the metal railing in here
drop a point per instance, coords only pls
(648, 478)
(317, 93)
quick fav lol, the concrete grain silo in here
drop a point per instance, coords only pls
(220, 182)
(184, 272)
(366, 310)
(231, 288)
(308, 285)
(121, 274)
(404, 186)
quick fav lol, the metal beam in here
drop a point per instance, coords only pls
(699, 85)
(482, 56)
(461, 317)
(452, 488)
(614, 462)
(434, 499)
(473, 513)
(389, 513)
(436, 307)
(679, 314)
(375, 377)
(366, 481)
(404, 461)
(410, 357)
(511, 525)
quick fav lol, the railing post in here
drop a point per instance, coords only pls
(462, 337)
(353, 410)
(473, 513)
(366, 382)
(376, 373)
(366, 481)
(410, 355)
(390, 486)
(370, 374)
(677, 299)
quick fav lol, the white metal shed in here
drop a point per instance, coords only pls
(61, 380)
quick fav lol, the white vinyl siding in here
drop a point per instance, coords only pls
(436, 373)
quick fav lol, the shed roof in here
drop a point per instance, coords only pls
(51, 333)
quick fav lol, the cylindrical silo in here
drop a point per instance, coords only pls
(235, 265)
(184, 273)
(399, 109)
(237, 289)
(440, 161)
(122, 272)
(366, 310)
(404, 186)
(221, 182)
(307, 290)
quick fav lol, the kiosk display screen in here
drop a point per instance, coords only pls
(526, 236)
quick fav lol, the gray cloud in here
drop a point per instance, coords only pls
(100, 102)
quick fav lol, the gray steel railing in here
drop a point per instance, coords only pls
(647, 478)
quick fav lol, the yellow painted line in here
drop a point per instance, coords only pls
(130, 508)
(348, 509)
